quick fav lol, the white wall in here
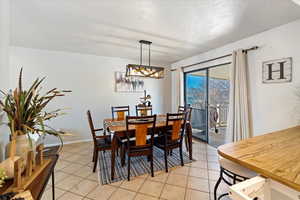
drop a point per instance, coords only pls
(4, 42)
(4, 61)
(91, 78)
(274, 106)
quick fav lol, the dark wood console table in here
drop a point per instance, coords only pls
(37, 187)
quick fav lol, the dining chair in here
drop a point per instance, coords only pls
(188, 109)
(172, 137)
(101, 143)
(181, 109)
(121, 111)
(142, 145)
(143, 110)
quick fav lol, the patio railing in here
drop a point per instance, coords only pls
(199, 115)
(222, 110)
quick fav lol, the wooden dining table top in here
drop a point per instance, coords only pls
(275, 155)
(120, 126)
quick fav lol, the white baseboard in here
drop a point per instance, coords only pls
(68, 142)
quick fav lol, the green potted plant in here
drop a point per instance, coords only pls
(27, 115)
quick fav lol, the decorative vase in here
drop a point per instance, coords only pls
(23, 145)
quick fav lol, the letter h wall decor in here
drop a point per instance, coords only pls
(277, 71)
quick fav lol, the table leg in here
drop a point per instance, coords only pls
(190, 140)
(53, 185)
(113, 157)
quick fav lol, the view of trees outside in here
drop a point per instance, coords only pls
(196, 91)
(218, 100)
(218, 91)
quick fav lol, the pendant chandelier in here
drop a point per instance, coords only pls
(145, 70)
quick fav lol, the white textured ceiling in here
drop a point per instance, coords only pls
(177, 28)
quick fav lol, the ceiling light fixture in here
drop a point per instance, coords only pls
(144, 70)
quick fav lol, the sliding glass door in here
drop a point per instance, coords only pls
(218, 91)
(207, 92)
(196, 95)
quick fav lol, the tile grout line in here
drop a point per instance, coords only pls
(82, 178)
(91, 189)
(69, 190)
(164, 185)
(161, 192)
(187, 182)
(209, 193)
(118, 187)
(136, 193)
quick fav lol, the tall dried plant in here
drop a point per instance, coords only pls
(25, 109)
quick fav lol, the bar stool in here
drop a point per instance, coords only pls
(233, 171)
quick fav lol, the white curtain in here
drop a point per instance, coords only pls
(239, 117)
(179, 88)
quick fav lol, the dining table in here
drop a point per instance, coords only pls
(117, 129)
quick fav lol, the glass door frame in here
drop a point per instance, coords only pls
(207, 93)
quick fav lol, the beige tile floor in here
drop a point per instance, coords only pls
(195, 181)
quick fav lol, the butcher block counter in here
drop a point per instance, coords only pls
(274, 155)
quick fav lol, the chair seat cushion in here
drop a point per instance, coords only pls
(104, 143)
(236, 168)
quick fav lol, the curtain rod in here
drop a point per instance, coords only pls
(217, 58)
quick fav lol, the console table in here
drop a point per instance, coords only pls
(37, 187)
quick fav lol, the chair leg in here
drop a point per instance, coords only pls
(166, 159)
(181, 155)
(94, 154)
(128, 168)
(186, 142)
(151, 165)
(217, 185)
(96, 160)
(122, 156)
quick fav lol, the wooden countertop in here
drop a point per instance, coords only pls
(275, 155)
